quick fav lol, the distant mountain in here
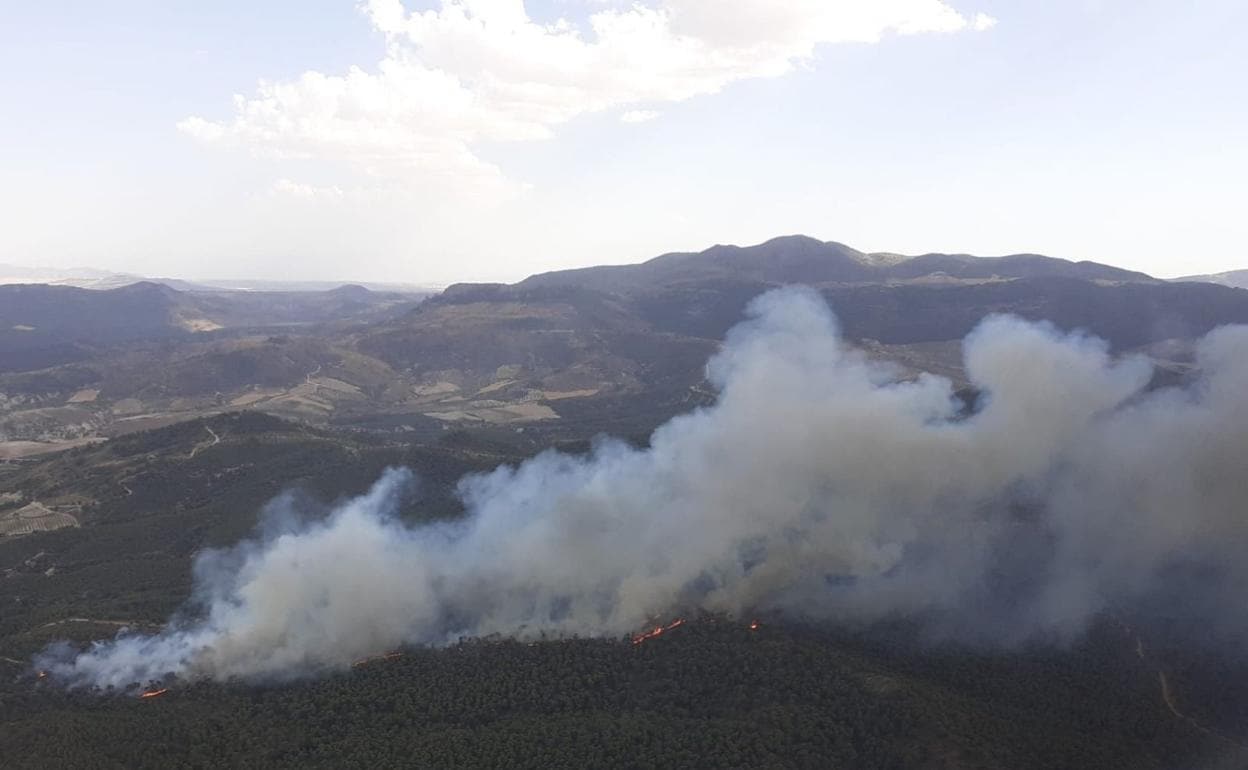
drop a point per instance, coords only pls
(43, 325)
(78, 277)
(1236, 279)
(800, 259)
(603, 345)
(553, 322)
(1128, 314)
(888, 298)
(967, 267)
(244, 284)
(605, 349)
(92, 278)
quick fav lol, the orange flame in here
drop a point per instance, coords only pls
(657, 630)
(754, 625)
(154, 693)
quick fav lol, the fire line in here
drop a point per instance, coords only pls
(657, 630)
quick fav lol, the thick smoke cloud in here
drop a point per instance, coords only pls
(820, 483)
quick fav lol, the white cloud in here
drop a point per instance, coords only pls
(471, 71)
(982, 22)
(638, 116)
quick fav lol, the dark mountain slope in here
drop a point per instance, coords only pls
(606, 344)
(556, 338)
(800, 259)
(1127, 314)
(42, 326)
(45, 325)
(967, 267)
(137, 310)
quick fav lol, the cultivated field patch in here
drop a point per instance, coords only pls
(35, 517)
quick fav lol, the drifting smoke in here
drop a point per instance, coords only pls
(820, 484)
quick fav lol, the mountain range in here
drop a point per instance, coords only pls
(611, 348)
(94, 278)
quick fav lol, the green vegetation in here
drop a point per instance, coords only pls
(711, 693)
(148, 505)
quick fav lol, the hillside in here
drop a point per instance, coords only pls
(43, 325)
(716, 691)
(616, 349)
(1236, 279)
(800, 259)
(712, 694)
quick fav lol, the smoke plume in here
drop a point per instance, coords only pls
(820, 483)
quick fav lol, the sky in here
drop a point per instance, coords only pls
(435, 141)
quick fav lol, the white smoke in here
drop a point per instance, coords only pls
(820, 483)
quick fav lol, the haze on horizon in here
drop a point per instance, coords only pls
(452, 140)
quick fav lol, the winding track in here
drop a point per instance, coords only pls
(215, 440)
(1167, 695)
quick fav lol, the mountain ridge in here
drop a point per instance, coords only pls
(801, 258)
(611, 348)
(1236, 279)
(103, 280)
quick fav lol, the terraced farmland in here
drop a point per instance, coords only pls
(34, 517)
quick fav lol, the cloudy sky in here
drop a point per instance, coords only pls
(442, 140)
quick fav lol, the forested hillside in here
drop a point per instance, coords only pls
(714, 691)
(711, 693)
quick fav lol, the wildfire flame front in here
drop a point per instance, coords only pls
(657, 630)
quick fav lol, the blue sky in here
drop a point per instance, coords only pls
(476, 140)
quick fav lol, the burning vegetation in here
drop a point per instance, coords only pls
(657, 631)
